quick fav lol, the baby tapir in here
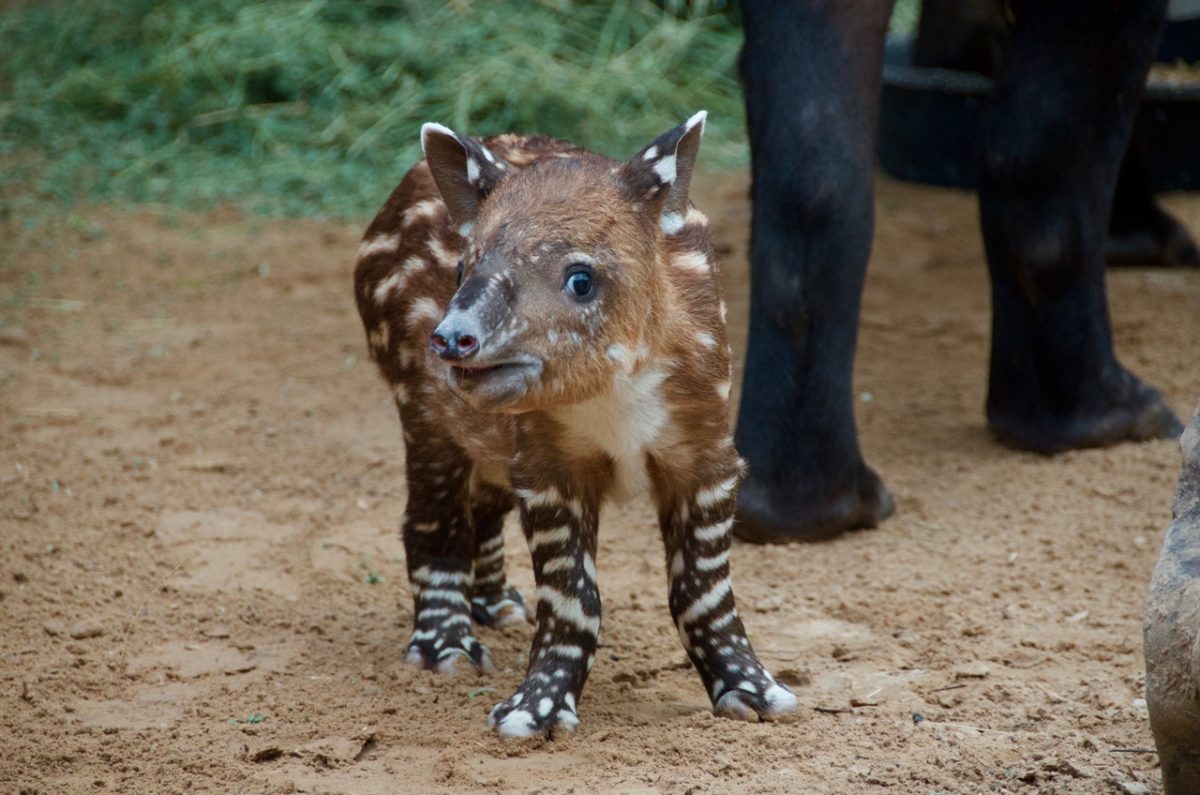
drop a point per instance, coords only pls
(551, 323)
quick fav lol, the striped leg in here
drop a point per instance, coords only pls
(562, 540)
(697, 539)
(438, 543)
(493, 601)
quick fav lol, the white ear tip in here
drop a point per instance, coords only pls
(433, 128)
(698, 118)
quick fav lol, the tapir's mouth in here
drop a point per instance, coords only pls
(493, 385)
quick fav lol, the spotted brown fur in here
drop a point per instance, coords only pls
(555, 392)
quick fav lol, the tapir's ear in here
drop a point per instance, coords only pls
(662, 172)
(465, 170)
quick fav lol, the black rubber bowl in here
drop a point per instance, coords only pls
(929, 124)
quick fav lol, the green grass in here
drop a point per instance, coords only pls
(312, 107)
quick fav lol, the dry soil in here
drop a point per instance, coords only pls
(202, 585)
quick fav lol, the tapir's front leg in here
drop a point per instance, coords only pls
(696, 532)
(562, 539)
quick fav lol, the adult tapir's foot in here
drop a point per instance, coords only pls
(1124, 410)
(773, 513)
(1158, 241)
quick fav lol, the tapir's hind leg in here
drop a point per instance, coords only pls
(1055, 130)
(440, 546)
(493, 601)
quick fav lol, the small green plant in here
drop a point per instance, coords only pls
(252, 718)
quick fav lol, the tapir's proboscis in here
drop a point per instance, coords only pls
(551, 324)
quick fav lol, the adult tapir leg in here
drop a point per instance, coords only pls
(811, 75)
(1140, 231)
(1055, 130)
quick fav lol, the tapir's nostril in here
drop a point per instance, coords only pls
(451, 345)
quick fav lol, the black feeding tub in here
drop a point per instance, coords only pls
(929, 118)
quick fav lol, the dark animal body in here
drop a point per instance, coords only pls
(1172, 632)
(1055, 132)
(551, 324)
(971, 36)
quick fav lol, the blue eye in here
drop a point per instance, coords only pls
(579, 283)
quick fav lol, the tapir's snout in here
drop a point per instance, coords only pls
(455, 338)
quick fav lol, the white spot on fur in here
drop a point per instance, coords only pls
(544, 706)
(706, 603)
(423, 309)
(441, 255)
(694, 216)
(692, 261)
(723, 390)
(569, 609)
(721, 621)
(671, 223)
(378, 245)
(714, 495)
(397, 279)
(706, 339)
(715, 562)
(665, 168)
(566, 650)
(543, 538)
(697, 118)
(713, 531)
(558, 564)
(651, 153)
(676, 565)
(472, 170)
(428, 576)
(487, 153)
(420, 211)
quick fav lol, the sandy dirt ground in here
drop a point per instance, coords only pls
(202, 584)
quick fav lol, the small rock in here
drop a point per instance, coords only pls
(85, 629)
(1134, 788)
(971, 670)
(53, 628)
(794, 677)
(216, 632)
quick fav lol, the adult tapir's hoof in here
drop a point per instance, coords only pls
(1120, 409)
(1172, 632)
(1160, 241)
(769, 514)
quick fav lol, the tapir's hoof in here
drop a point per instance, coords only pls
(768, 515)
(1134, 412)
(1172, 632)
(1162, 242)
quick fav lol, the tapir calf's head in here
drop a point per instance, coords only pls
(562, 272)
